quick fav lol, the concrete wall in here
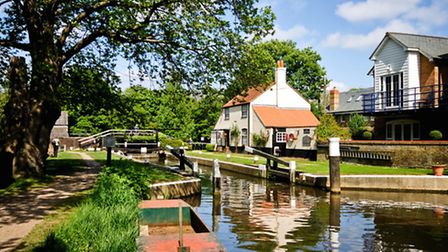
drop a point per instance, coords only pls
(238, 168)
(172, 190)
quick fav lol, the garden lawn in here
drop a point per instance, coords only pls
(316, 167)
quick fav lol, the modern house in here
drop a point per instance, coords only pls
(344, 104)
(410, 87)
(276, 112)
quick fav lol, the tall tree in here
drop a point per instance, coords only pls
(303, 68)
(198, 38)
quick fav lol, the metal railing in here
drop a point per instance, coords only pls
(114, 132)
(406, 99)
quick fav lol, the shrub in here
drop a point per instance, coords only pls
(357, 125)
(328, 127)
(210, 147)
(435, 135)
(260, 139)
(367, 135)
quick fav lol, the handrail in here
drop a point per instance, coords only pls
(115, 132)
(265, 155)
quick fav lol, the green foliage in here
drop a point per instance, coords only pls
(260, 140)
(106, 222)
(367, 135)
(357, 125)
(235, 134)
(3, 100)
(328, 127)
(317, 109)
(435, 135)
(302, 65)
(210, 147)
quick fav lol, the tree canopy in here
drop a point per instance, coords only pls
(303, 68)
(199, 40)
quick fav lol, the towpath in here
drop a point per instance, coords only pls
(20, 213)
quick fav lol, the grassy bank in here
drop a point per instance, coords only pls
(316, 167)
(106, 219)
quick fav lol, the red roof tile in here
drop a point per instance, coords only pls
(276, 117)
(247, 96)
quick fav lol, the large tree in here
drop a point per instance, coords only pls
(197, 38)
(304, 71)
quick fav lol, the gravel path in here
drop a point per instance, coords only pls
(20, 213)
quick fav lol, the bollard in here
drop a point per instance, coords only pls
(335, 174)
(262, 168)
(195, 169)
(216, 174)
(292, 172)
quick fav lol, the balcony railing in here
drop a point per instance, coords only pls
(406, 99)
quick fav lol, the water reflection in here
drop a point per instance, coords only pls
(256, 215)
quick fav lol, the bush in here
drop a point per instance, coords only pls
(367, 135)
(435, 135)
(210, 147)
(357, 125)
(260, 139)
(328, 127)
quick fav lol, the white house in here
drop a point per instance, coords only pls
(410, 74)
(277, 112)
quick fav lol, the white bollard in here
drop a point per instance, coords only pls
(195, 169)
(292, 172)
(143, 150)
(335, 174)
(262, 167)
(255, 159)
(216, 174)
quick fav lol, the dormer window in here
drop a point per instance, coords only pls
(350, 99)
(359, 98)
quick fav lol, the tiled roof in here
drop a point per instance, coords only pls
(247, 96)
(351, 101)
(277, 117)
(431, 46)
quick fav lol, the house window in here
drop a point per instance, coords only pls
(403, 130)
(393, 86)
(306, 131)
(244, 110)
(244, 136)
(226, 114)
(280, 137)
(306, 141)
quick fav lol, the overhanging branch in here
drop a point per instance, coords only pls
(14, 44)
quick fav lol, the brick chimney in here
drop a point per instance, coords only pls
(280, 74)
(334, 99)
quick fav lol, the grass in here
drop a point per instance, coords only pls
(65, 163)
(317, 167)
(106, 220)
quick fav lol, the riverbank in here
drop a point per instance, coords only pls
(376, 182)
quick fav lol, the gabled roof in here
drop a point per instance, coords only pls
(276, 117)
(431, 46)
(247, 96)
(351, 101)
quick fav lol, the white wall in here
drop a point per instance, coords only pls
(234, 118)
(287, 98)
(298, 143)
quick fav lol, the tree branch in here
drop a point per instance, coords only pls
(4, 2)
(17, 45)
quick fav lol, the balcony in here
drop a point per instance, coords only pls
(426, 97)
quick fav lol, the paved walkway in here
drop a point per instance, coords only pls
(20, 213)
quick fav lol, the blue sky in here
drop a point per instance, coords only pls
(345, 33)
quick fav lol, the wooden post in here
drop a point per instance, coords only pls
(182, 160)
(335, 220)
(292, 172)
(195, 169)
(109, 157)
(335, 174)
(216, 175)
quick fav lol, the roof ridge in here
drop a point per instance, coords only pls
(417, 35)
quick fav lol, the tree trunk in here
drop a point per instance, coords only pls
(30, 118)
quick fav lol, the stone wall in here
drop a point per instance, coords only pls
(404, 153)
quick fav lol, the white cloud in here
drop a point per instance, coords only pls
(375, 9)
(341, 86)
(371, 39)
(293, 33)
(434, 15)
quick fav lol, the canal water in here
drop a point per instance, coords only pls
(250, 214)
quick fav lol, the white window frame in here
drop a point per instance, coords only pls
(244, 138)
(393, 123)
(280, 137)
(244, 110)
(226, 114)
